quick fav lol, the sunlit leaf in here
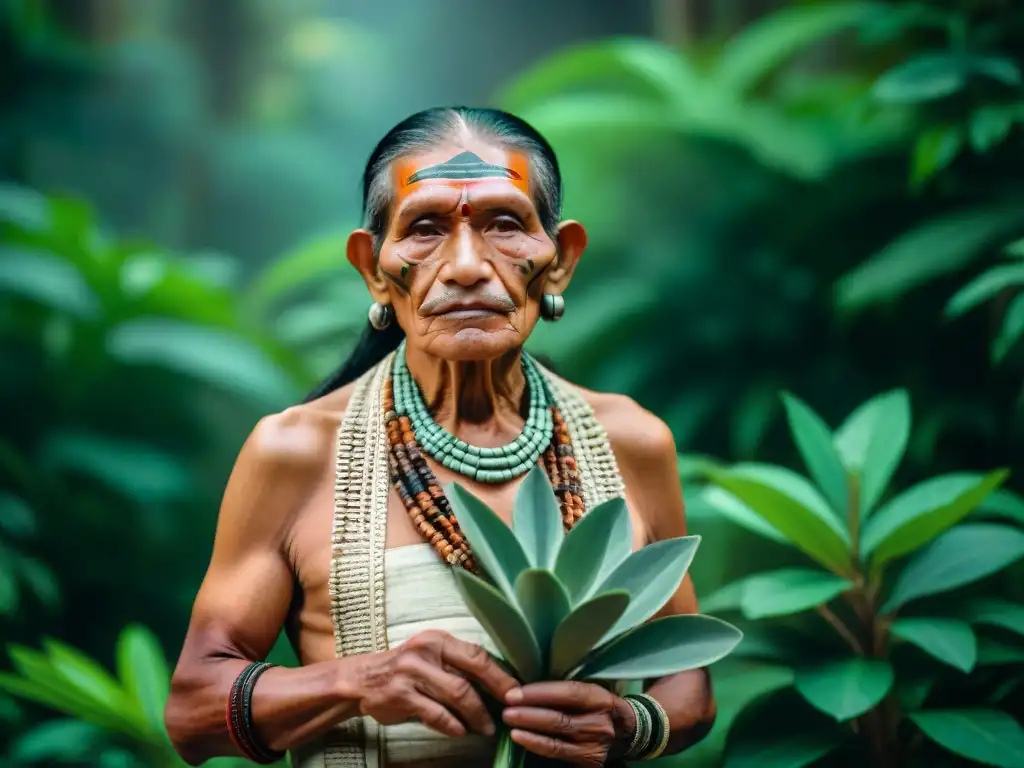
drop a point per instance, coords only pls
(48, 280)
(739, 513)
(847, 688)
(951, 642)
(984, 287)
(504, 624)
(959, 556)
(1011, 331)
(582, 629)
(662, 647)
(537, 520)
(952, 241)
(792, 506)
(86, 675)
(596, 546)
(143, 671)
(494, 545)
(923, 511)
(984, 735)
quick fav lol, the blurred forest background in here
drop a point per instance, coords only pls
(821, 197)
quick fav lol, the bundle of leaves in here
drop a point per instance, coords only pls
(576, 606)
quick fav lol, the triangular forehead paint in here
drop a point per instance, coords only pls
(461, 170)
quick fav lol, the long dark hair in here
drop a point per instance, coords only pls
(423, 131)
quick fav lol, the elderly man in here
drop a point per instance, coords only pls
(334, 524)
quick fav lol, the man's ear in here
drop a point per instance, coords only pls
(361, 256)
(572, 241)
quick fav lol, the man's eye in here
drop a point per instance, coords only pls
(506, 224)
(425, 229)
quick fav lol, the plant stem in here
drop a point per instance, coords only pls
(844, 631)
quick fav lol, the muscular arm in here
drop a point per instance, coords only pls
(244, 601)
(646, 453)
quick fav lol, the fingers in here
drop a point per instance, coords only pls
(556, 749)
(565, 695)
(589, 727)
(435, 716)
(454, 692)
(474, 661)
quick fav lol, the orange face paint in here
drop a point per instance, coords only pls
(462, 170)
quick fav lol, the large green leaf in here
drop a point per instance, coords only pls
(651, 576)
(143, 671)
(959, 556)
(1011, 330)
(739, 513)
(985, 736)
(951, 242)
(544, 603)
(951, 642)
(598, 544)
(581, 630)
(537, 520)
(1002, 504)
(994, 612)
(984, 287)
(814, 439)
(86, 675)
(872, 442)
(636, 67)
(847, 688)
(934, 76)
(221, 359)
(761, 47)
(662, 647)
(48, 280)
(504, 624)
(923, 511)
(494, 545)
(792, 506)
(789, 590)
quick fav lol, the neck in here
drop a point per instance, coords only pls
(484, 397)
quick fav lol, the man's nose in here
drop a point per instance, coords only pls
(464, 263)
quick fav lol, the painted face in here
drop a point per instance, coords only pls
(465, 249)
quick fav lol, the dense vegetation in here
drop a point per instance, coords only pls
(826, 203)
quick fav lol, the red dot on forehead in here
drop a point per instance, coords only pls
(467, 209)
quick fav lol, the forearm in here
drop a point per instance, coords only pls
(289, 706)
(688, 701)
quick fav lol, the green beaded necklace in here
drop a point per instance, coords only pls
(485, 465)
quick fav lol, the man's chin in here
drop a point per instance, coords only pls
(474, 343)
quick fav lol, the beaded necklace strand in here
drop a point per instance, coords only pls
(420, 492)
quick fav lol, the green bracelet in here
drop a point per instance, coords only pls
(660, 726)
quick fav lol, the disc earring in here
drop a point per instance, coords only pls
(381, 315)
(552, 307)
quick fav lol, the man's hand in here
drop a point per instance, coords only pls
(578, 723)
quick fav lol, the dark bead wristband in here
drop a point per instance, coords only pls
(239, 716)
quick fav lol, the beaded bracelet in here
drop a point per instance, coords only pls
(661, 728)
(239, 716)
(641, 741)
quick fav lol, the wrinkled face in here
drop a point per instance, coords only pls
(465, 259)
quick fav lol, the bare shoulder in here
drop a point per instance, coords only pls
(636, 434)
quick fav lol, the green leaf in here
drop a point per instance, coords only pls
(1011, 331)
(1002, 504)
(934, 76)
(725, 598)
(792, 506)
(984, 287)
(996, 613)
(872, 442)
(814, 439)
(951, 642)
(315, 261)
(651, 576)
(959, 556)
(761, 47)
(544, 603)
(143, 671)
(989, 127)
(504, 624)
(983, 735)
(86, 675)
(48, 280)
(16, 517)
(537, 520)
(494, 545)
(739, 513)
(993, 652)
(847, 688)
(788, 751)
(636, 67)
(218, 358)
(934, 151)
(788, 591)
(598, 544)
(56, 741)
(581, 630)
(138, 471)
(952, 241)
(662, 647)
(923, 511)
